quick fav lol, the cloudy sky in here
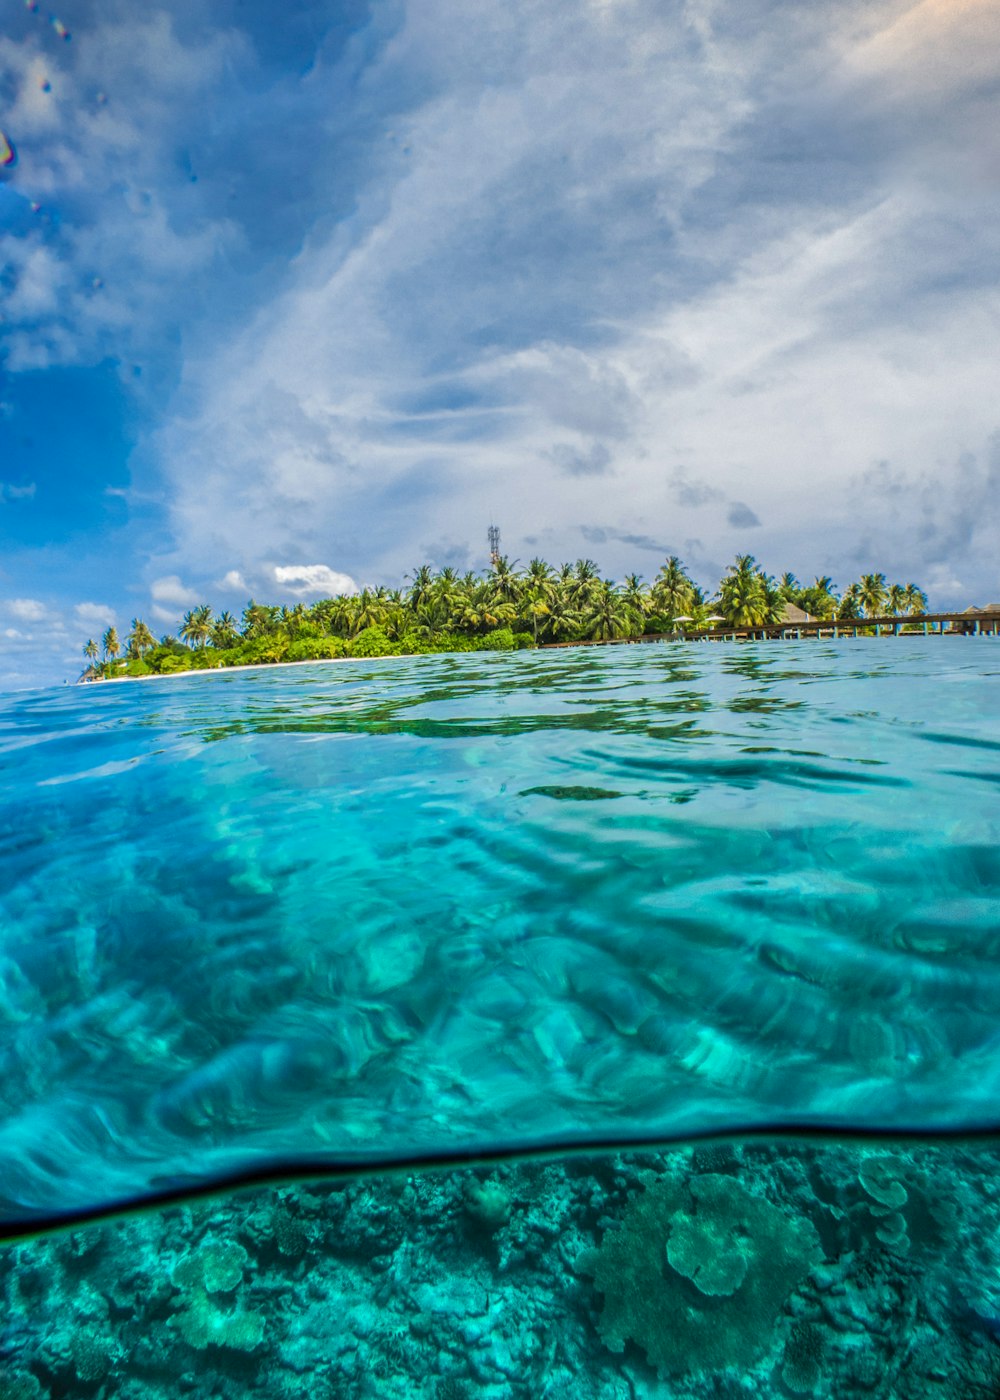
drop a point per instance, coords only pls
(300, 295)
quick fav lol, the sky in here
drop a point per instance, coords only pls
(295, 297)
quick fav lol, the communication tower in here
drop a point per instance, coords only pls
(493, 535)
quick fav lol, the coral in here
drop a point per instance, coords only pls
(880, 1178)
(452, 1388)
(203, 1323)
(290, 1234)
(714, 1157)
(803, 1357)
(892, 1230)
(91, 1355)
(708, 1248)
(22, 1385)
(217, 1267)
(488, 1204)
(681, 1326)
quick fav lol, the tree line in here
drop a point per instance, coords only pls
(500, 610)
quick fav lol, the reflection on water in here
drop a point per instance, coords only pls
(368, 910)
(766, 1268)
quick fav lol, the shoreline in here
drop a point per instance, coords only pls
(258, 666)
(788, 633)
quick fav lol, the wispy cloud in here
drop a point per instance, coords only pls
(553, 255)
(171, 591)
(27, 609)
(680, 271)
(95, 614)
(11, 492)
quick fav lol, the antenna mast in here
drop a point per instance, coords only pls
(493, 535)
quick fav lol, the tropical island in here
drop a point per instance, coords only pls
(501, 610)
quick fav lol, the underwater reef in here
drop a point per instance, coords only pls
(730, 1269)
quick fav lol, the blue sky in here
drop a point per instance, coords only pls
(297, 296)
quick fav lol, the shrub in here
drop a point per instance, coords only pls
(373, 641)
(523, 640)
(500, 639)
(167, 665)
(204, 659)
(263, 650)
(316, 648)
(413, 644)
(453, 641)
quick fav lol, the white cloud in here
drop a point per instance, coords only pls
(96, 613)
(300, 579)
(10, 492)
(171, 590)
(27, 609)
(15, 635)
(537, 289)
(689, 260)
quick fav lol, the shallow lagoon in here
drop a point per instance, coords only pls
(354, 913)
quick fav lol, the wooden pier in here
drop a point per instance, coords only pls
(983, 623)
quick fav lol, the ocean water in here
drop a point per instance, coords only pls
(721, 919)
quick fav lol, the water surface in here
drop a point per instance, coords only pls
(365, 910)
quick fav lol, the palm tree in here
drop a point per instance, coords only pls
(423, 578)
(584, 582)
(608, 615)
(914, 599)
(744, 595)
(672, 589)
(110, 644)
(259, 620)
(896, 599)
(635, 595)
(395, 621)
(789, 588)
(224, 631)
(872, 594)
(539, 577)
(850, 603)
(563, 619)
(369, 610)
(140, 639)
(536, 609)
(431, 617)
(197, 625)
(504, 580)
(91, 652)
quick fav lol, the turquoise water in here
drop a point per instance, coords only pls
(362, 911)
(347, 915)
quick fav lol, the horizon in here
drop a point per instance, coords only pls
(295, 298)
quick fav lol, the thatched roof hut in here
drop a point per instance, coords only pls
(792, 616)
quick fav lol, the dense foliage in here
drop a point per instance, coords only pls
(502, 610)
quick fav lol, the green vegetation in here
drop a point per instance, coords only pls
(505, 609)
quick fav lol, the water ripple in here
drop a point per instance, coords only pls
(365, 911)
